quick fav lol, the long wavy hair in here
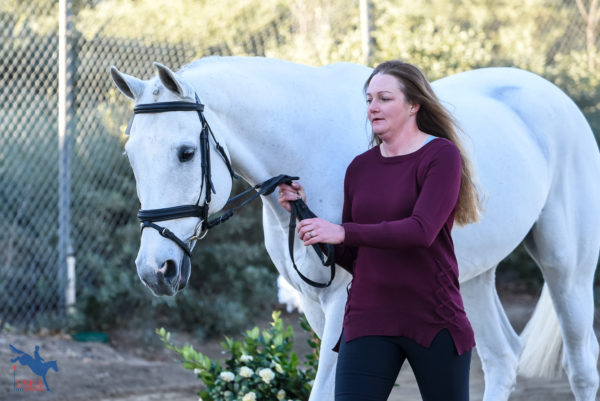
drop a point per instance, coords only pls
(434, 119)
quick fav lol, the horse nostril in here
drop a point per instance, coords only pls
(169, 269)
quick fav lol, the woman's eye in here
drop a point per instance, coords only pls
(186, 154)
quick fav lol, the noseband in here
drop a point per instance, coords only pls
(148, 217)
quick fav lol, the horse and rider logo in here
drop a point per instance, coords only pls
(37, 365)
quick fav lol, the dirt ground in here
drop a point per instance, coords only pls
(132, 369)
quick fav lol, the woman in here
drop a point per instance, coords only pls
(401, 198)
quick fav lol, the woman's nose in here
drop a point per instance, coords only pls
(372, 106)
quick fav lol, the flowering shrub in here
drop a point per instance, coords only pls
(262, 366)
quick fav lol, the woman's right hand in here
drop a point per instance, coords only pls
(288, 193)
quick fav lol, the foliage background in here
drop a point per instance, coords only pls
(232, 278)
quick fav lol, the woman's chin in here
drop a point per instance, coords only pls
(381, 135)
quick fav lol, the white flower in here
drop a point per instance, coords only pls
(226, 376)
(281, 395)
(199, 398)
(278, 368)
(197, 371)
(227, 394)
(266, 374)
(246, 371)
(246, 358)
(251, 396)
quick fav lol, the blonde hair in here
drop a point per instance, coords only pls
(434, 119)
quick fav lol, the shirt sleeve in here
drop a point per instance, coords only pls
(435, 203)
(345, 255)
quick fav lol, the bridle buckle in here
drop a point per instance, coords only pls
(199, 233)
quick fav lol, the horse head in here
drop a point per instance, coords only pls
(170, 163)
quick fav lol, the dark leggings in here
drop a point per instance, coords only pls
(367, 368)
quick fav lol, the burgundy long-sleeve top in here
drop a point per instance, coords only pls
(398, 214)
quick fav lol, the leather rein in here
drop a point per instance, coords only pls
(148, 217)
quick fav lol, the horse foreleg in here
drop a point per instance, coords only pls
(498, 346)
(333, 307)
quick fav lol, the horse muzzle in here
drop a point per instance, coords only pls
(166, 277)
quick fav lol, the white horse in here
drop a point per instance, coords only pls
(536, 157)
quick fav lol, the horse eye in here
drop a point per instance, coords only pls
(186, 153)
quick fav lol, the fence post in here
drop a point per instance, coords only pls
(66, 260)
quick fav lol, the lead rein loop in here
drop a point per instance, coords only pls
(300, 211)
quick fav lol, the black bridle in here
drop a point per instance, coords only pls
(148, 217)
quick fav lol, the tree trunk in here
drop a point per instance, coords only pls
(591, 17)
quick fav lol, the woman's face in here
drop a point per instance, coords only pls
(387, 108)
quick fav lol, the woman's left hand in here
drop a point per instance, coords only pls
(316, 230)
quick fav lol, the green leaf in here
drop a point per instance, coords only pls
(253, 334)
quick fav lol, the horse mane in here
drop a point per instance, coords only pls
(236, 60)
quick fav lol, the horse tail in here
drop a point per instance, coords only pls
(542, 351)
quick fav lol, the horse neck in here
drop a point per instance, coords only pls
(259, 128)
(259, 153)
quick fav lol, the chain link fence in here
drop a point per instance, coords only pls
(103, 199)
(28, 170)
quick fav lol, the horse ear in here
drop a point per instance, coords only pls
(171, 82)
(128, 85)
